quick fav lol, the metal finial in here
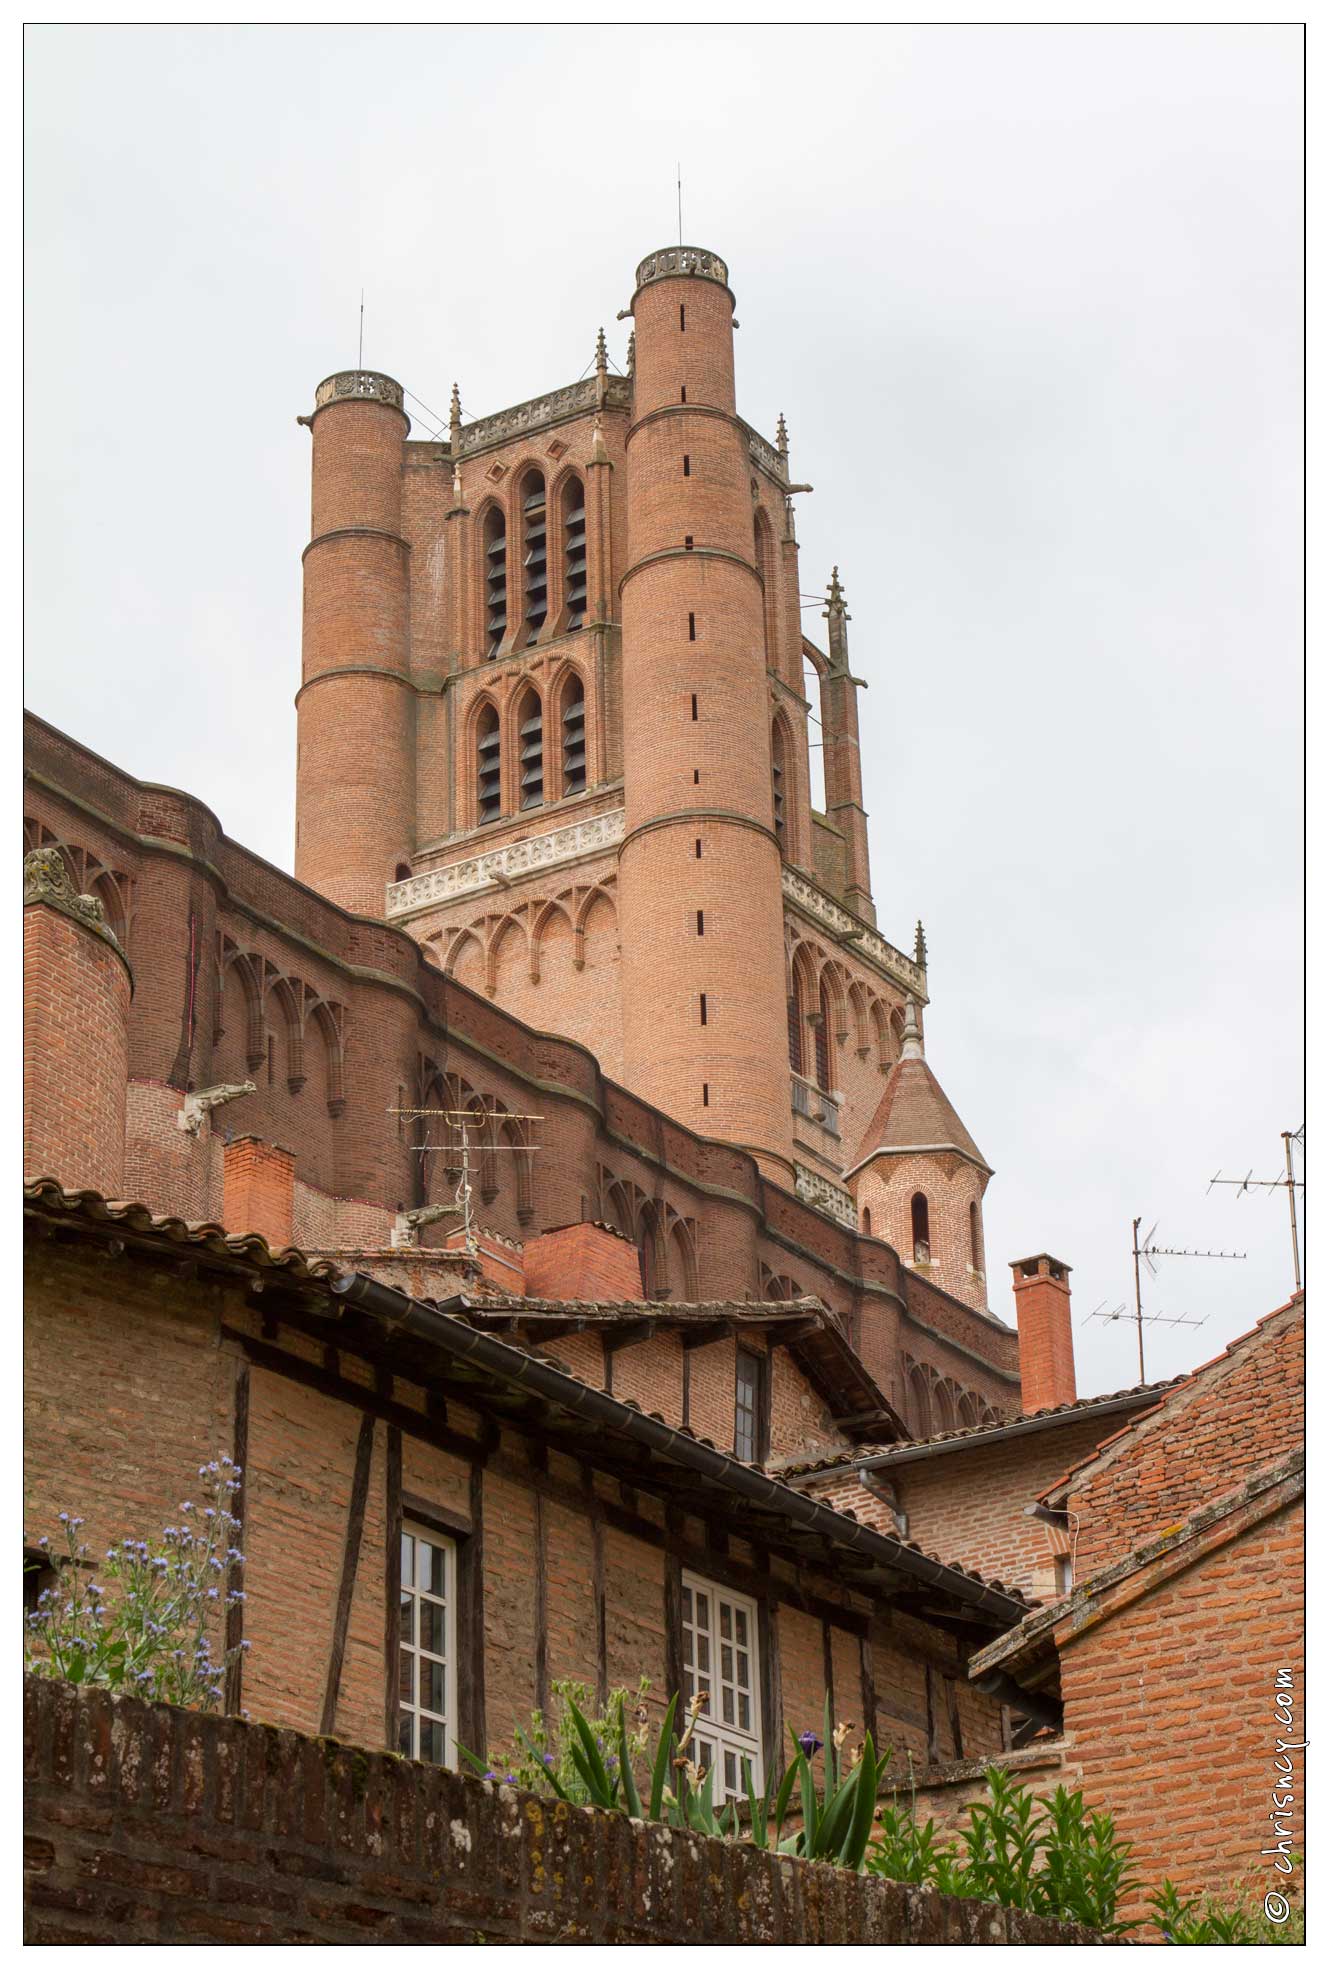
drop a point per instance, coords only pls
(920, 946)
(782, 436)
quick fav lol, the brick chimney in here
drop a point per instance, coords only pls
(258, 1190)
(1043, 1315)
(582, 1261)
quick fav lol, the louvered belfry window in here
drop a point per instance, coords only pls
(777, 782)
(531, 744)
(488, 750)
(574, 737)
(535, 558)
(574, 553)
(496, 581)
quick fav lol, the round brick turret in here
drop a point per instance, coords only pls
(699, 873)
(76, 991)
(355, 798)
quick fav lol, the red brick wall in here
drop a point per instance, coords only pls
(1235, 1416)
(76, 994)
(582, 1261)
(1170, 1702)
(970, 1507)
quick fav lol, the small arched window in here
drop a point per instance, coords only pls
(824, 1038)
(530, 750)
(918, 1213)
(975, 1238)
(779, 782)
(764, 556)
(574, 553)
(795, 1033)
(572, 725)
(496, 580)
(535, 557)
(403, 872)
(488, 761)
(867, 1223)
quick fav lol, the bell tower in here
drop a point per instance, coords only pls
(699, 868)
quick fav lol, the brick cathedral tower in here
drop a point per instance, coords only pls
(554, 721)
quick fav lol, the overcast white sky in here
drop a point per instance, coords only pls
(1031, 302)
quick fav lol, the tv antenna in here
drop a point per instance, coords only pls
(360, 360)
(1288, 1182)
(1149, 1252)
(463, 1125)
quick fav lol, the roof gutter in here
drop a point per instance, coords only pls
(461, 1342)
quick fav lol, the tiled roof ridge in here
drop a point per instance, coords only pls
(1172, 1390)
(976, 1430)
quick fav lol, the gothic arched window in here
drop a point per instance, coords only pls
(496, 580)
(574, 553)
(535, 557)
(488, 763)
(779, 782)
(572, 727)
(824, 1038)
(918, 1213)
(530, 730)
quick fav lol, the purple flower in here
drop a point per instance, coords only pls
(509, 1779)
(491, 1774)
(809, 1743)
(548, 1758)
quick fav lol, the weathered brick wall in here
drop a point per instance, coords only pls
(971, 1505)
(159, 1826)
(134, 1376)
(76, 1006)
(1237, 1415)
(1170, 1702)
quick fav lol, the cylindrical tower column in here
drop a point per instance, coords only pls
(76, 992)
(701, 912)
(355, 776)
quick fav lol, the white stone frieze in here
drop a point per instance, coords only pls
(506, 864)
(866, 943)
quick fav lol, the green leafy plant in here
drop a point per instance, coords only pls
(1044, 1856)
(1201, 1922)
(152, 1633)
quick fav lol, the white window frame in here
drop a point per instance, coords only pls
(721, 1741)
(410, 1592)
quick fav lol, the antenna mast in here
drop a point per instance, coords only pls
(460, 1122)
(1288, 1182)
(360, 361)
(679, 168)
(1149, 1251)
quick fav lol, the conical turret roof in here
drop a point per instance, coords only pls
(913, 1114)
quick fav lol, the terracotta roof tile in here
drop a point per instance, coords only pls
(914, 1113)
(962, 1438)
